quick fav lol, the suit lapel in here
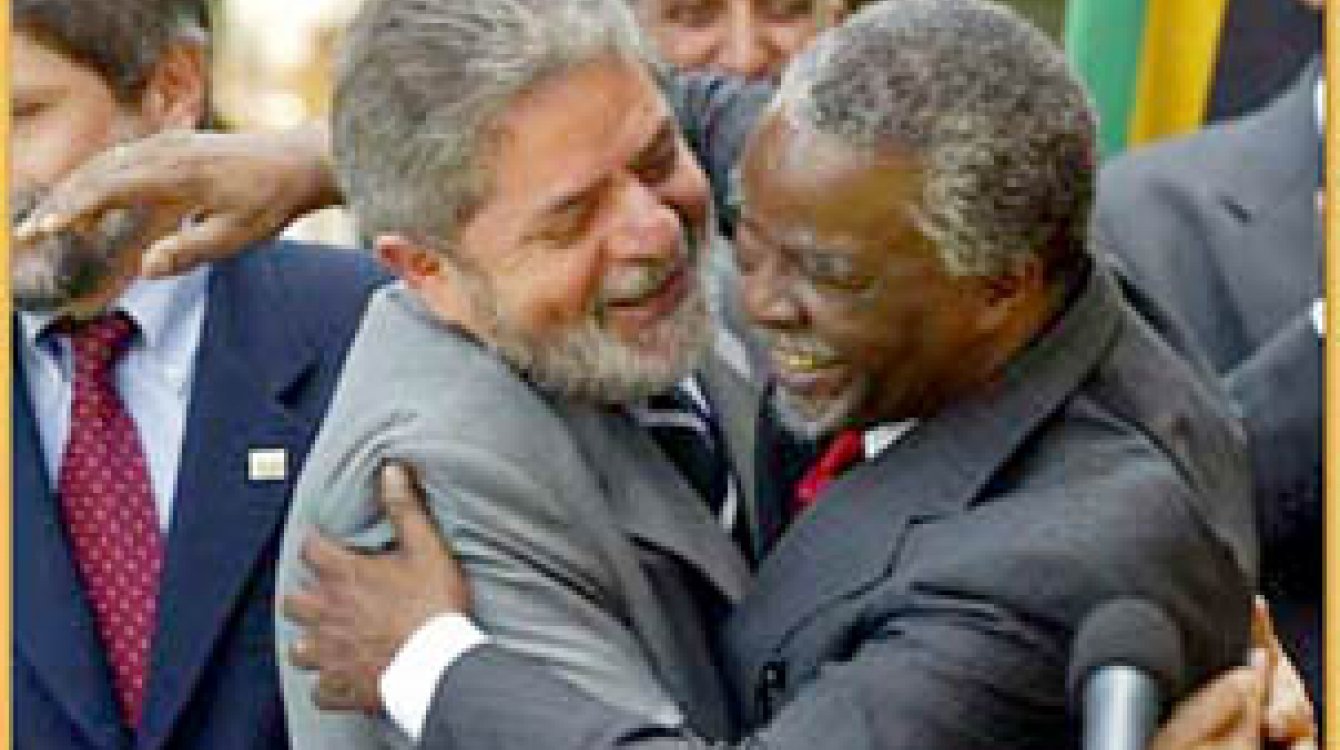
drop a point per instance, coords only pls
(735, 406)
(1272, 191)
(1281, 150)
(781, 460)
(847, 540)
(54, 630)
(655, 505)
(224, 523)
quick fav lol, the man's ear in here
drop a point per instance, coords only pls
(411, 261)
(833, 12)
(1006, 293)
(177, 94)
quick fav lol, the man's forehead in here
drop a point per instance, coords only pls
(783, 151)
(584, 123)
(40, 62)
(31, 55)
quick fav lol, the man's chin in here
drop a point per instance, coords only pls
(816, 419)
(591, 363)
(77, 273)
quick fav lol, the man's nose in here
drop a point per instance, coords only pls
(769, 297)
(649, 227)
(744, 49)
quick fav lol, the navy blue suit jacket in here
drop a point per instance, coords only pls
(279, 320)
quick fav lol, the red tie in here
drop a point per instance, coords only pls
(109, 508)
(846, 449)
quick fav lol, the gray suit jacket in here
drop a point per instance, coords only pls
(930, 598)
(1221, 229)
(585, 548)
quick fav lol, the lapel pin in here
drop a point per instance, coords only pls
(267, 464)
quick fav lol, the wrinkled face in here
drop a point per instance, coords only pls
(584, 261)
(751, 38)
(63, 114)
(863, 323)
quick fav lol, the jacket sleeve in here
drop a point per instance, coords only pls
(1278, 392)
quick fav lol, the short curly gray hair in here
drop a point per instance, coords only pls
(987, 106)
(421, 84)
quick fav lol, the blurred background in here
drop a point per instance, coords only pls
(274, 58)
(1156, 68)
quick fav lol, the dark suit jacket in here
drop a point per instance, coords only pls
(929, 599)
(278, 322)
(1221, 230)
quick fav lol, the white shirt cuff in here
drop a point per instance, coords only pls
(408, 684)
(1319, 316)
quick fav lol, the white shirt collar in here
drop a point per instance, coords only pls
(158, 307)
(1320, 98)
(877, 439)
(168, 314)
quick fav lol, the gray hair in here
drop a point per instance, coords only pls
(995, 119)
(421, 85)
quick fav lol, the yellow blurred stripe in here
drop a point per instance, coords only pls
(1181, 44)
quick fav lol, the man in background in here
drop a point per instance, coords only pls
(746, 38)
(158, 426)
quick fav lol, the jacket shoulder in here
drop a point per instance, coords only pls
(321, 289)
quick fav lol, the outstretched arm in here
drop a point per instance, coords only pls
(212, 194)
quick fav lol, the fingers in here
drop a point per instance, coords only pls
(1263, 631)
(327, 560)
(1263, 628)
(1289, 718)
(337, 687)
(303, 608)
(54, 215)
(334, 693)
(1289, 715)
(1223, 715)
(302, 654)
(121, 177)
(193, 244)
(406, 506)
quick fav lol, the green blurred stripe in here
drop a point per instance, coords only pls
(1103, 40)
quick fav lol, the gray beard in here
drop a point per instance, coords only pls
(69, 265)
(812, 423)
(587, 362)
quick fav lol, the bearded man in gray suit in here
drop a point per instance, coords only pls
(550, 287)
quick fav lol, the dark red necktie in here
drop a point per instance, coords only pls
(108, 506)
(846, 449)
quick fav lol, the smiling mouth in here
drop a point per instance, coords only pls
(667, 283)
(663, 299)
(803, 361)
